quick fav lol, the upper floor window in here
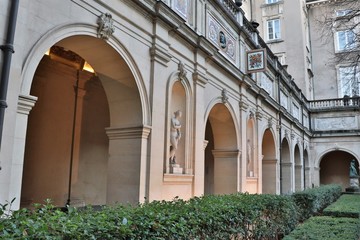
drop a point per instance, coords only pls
(273, 29)
(345, 40)
(349, 78)
(271, 1)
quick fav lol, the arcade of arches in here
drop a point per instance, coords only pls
(104, 136)
(85, 137)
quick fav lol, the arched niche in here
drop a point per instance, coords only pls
(251, 156)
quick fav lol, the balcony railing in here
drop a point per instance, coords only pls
(347, 102)
(230, 6)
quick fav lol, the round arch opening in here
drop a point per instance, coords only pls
(335, 168)
(77, 150)
(269, 163)
(221, 154)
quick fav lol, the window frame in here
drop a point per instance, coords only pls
(274, 32)
(347, 46)
(348, 80)
(271, 1)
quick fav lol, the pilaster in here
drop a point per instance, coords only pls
(200, 81)
(127, 164)
(25, 105)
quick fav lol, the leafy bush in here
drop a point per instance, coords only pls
(48, 222)
(313, 200)
(236, 216)
(348, 205)
(328, 228)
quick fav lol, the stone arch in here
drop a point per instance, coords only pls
(298, 168)
(334, 167)
(322, 154)
(123, 89)
(307, 176)
(64, 31)
(269, 162)
(286, 167)
(222, 153)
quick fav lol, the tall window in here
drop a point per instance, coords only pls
(273, 29)
(345, 40)
(349, 78)
(271, 1)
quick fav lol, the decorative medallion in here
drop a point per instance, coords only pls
(106, 26)
(225, 41)
(222, 40)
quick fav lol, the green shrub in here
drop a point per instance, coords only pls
(328, 228)
(313, 200)
(48, 222)
(236, 216)
(348, 205)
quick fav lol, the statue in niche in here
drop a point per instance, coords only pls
(249, 158)
(353, 171)
(175, 135)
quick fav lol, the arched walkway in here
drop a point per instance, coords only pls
(84, 138)
(286, 168)
(307, 180)
(221, 153)
(298, 169)
(335, 168)
(269, 163)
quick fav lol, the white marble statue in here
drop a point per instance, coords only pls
(175, 135)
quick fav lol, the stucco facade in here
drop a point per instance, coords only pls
(99, 138)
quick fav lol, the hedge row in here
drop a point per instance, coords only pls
(237, 216)
(348, 205)
(329, 228)
(313, 200)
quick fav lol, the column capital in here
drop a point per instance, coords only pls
(26, 103)
(128, 132)
(226, 153)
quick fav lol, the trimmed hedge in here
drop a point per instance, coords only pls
(329, 228)
(236, 216)
(313, 200)
(348, 205)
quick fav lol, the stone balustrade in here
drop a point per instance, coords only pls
(335, 103)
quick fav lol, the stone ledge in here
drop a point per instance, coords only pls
(178, 178)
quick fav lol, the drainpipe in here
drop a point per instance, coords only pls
(8, 50)
(280, 158)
